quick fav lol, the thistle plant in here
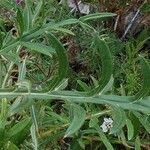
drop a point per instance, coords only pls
(38, 35)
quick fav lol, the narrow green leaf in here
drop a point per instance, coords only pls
(79, 115)
(12, 57)
(34, 119)
(137, 143)
(145, 90)
(66, 22)
(96, 16)
(144, 120)
(93, 122)
(24, 85)
(104, 139)
(7, 39)
(7, 4)
(123, 139)
(19, 127)
(63, 30)
(62, 58)
(41, 48)
(34, 137)
(27, 16)
(130, 129)
(58, 117)
(11, 146)
(9, 47)
(19, 131)
(19, 105)
(3, 114)
(108, 86)
(20, 21)
(63, 84)
(107, 65)
(37, 11)
(49, 26)
(22, 71)
(119, 118)
(83, 85)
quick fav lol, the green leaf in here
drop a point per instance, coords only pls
(66, 22)
(104, 139)
(144, 120)
(19, 131)
(108, 86)
(19, 104)
(49, 26)
(146, 7)
(20, 21)
(58, 117)
(9, 47)
(93, 122)
(34, 137)
(37, 12)
(119, 118)
(79, 115)
(11, 146)
(137, 143)
(96, 16)
(7, 4)
(41, 48)
(3, 114)
(83, 85)
(22, 71)
(63, 84)
(63, 61)
(34, 119)
(123, 139)
(28, 16)
(12, 57)
(63, 30)
(24, 85)
(130, 129)
(107, 65)
(145, 90)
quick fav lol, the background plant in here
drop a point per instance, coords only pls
(38, 108)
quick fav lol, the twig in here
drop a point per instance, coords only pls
(116, 22)
(131, 23)
(73, 9)
(77, 5)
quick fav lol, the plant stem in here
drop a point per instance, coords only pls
(124, 102)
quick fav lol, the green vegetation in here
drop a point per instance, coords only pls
(73, 81)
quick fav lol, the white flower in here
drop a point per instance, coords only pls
(107, 124)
